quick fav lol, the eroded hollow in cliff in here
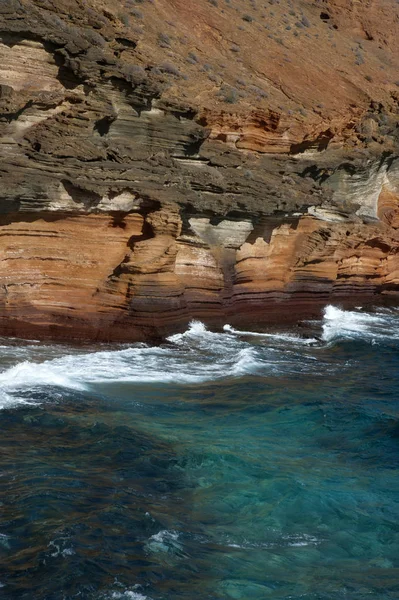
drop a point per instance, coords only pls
(319, 144)
(86, 198)
(103, 125)
(68, 79)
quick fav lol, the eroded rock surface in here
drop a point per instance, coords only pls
(163, 160)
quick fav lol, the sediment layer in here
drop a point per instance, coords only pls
(243, 169)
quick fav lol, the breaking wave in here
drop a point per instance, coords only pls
(357, 325)
(195, 356)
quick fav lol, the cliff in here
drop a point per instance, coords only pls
(228, 160)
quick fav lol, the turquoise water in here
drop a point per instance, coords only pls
(216, 466)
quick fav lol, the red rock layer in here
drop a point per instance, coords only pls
(129, 277)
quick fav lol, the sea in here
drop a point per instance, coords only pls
(215, 466)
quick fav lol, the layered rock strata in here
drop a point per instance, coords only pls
(137, 192)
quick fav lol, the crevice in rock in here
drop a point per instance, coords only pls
(194, 147)
(147, 233)
(9, 117)
(387, 158)
(87, 198)
(118, 220)
(316, 173)
(126, 42)
(138, 101)
(210, 188)
(11, 39)
(348, 168)
(319, 144)
(389, 287)
(103, 125)
(68, 79)
(378, 243)
(186, 113)
(66, 75)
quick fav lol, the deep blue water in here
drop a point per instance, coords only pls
(216, 466)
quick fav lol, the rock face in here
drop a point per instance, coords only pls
(162, 161)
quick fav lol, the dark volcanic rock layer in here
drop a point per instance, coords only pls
(168, 160)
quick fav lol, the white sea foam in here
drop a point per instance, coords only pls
(293, 541)
(195, 329)
(283, 337)
(165, 536)
(30, 375)
(299, 540)
(341, 324)
(61, 547)
(128, 595)
(11, 400)
(247, 362)
(195, 356)
(81, 372)
(166, 543)
(46, 373)
(123, 593)
(133, 592)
